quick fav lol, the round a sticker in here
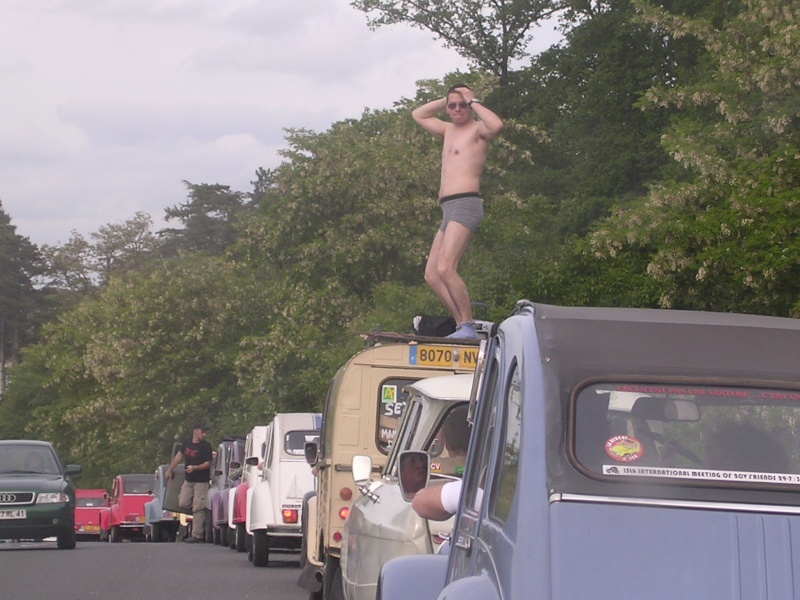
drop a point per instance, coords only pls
(624, 448)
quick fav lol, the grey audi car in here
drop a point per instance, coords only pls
(37, 498)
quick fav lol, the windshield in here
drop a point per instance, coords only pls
(28, 458)
(446, 443)
(738, 435)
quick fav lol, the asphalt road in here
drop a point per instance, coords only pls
(143, 571)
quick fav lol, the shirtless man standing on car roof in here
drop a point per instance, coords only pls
(464, 151)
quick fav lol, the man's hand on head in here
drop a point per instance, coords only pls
(466, 93)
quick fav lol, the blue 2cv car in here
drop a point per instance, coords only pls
(626, 453)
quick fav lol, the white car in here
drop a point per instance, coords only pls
(240, 495)
(275, 502)
(381, 524)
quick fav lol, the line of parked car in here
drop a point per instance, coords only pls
(610, 452)
(257, 486)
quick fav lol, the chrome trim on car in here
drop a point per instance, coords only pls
(16, 498)
(664, 503)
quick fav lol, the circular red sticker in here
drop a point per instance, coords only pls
(624, 448)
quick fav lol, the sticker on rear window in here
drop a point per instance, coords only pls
(624, 448)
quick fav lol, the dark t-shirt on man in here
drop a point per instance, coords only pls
(197, 454)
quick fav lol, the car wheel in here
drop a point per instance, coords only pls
(66, 541)
(216, 536)
(304, 534)
(232, 538)
(115, 537)
(156, 533)
(209, 528)
(223, 535)
(260, 548)
(241, 535)
(332, 581)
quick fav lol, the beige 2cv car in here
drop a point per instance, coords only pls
(382, 524)
(364, 401)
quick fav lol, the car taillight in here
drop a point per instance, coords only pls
(346, 493)
(289, 515)
(337, 537)
(343, 512)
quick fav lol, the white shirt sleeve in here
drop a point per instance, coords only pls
(451, 492)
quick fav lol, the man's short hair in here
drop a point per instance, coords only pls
(456, 431)
(455, 88)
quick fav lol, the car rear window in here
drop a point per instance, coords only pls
(138, 484)
(734, 435)
(294, 442)
(89, 502)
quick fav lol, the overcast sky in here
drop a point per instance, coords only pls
(107, 106)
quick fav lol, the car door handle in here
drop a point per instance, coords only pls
(464, 542)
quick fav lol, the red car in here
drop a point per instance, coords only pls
(125, 516)
(88, 504)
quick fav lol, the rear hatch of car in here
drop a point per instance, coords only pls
(662, 552)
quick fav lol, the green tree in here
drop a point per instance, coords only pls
(123, 247)
(120, 377)
(79, 266)
(19, 264)
(489, 35)
(69, 266)
(208, 220)
(725, 236)
(349, 209)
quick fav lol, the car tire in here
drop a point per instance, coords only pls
(223, 535)
(332, 581)
(156, 533)
(216, 536)
(241, 537)
(232, 538)
(115, 536)
(209, 528)
(66, 541)
(304, 533)
(260, 548)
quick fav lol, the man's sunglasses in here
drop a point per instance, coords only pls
(453, 105)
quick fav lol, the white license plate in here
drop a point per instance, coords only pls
(18, 513)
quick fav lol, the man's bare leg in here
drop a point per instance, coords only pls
(433, 279)
(441, 272)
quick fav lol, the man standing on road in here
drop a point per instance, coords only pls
(464, 151)
(197, 456)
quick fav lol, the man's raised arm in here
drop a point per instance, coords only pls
(425, 116)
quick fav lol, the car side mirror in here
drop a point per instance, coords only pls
(252, 461)
(311, 451)
(362, 470)
(73, 470)
(414, 472)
